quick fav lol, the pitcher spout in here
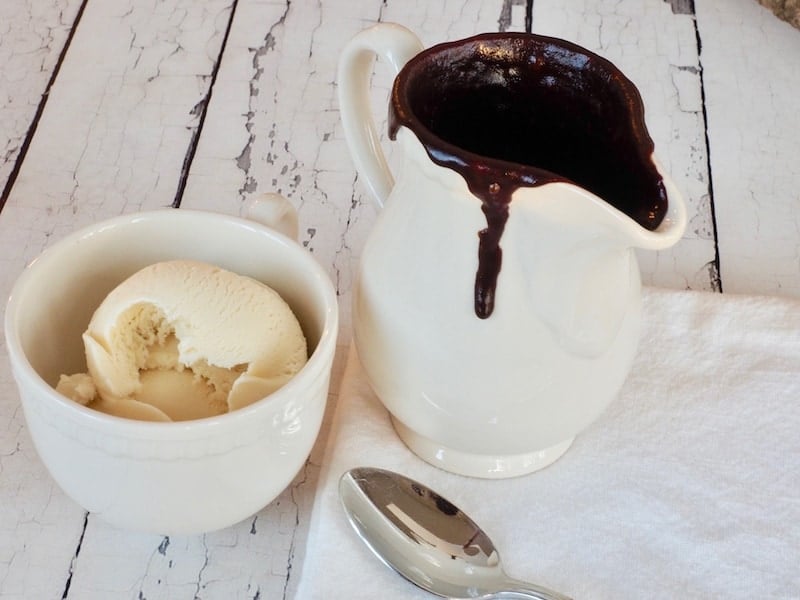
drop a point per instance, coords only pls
(576, 252)
(587, 215)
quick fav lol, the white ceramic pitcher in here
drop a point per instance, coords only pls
(497, 303)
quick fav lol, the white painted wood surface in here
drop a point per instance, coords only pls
(752, 100)
(205, 104)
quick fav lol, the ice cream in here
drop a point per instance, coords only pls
(184, 340)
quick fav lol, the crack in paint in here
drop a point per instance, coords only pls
(292, 543)
(343, 245)
(244, 161)
(26, 142)
(195, 139)
(74, 560)
(202, 568)
(715, 274)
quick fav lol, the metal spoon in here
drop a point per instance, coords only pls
(426, 539)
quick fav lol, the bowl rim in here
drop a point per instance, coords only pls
(114, 426)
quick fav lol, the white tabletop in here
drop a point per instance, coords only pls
(113, 106)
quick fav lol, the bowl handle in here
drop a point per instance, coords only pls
(274, 211)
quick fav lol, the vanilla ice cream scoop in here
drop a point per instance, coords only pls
(184, 340)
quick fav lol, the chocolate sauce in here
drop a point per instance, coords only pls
(515, 110)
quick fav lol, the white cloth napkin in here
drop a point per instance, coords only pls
(688, 486)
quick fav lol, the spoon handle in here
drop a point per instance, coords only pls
(516, 589)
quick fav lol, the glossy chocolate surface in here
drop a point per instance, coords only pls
(515, 110)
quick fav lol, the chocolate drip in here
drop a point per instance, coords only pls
(520, 110)
(490, 254)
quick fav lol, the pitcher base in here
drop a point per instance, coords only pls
(479, 465)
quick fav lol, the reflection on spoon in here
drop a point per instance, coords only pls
(427, 539)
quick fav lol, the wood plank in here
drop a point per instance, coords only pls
(112, 138)
(33, 34)
(752, 65)
(653, 43)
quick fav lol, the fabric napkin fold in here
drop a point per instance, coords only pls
(688, 486)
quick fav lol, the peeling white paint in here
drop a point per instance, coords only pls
(752, 92)
(32, 34)
(657, 50)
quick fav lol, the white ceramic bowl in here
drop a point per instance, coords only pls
(185, 477)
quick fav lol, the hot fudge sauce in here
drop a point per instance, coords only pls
(521, 110)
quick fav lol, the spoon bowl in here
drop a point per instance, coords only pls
(426, 539)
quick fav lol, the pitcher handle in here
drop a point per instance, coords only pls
(396, 45)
